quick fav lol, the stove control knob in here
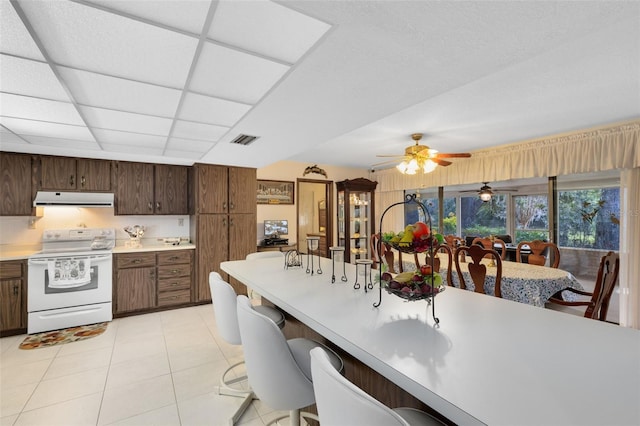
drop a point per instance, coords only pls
(47, 236)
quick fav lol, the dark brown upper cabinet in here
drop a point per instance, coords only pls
(15, 186)
(74, 174)
(151, 189)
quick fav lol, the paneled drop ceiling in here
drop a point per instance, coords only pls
(132, 79)
(327, 82)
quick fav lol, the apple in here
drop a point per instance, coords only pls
(426, 288)
(425, 269)
(420, 229)
(406, 289)
(386, 276)
(394, 285)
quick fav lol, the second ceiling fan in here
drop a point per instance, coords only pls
(418, 157)
(486, 192)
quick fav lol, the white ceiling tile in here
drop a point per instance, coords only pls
(198, 131)
(126, 121)
(187, 15)
(182, 154)
(177, 144)
(39, 109)
(212, 110)
(234, 75)
(127, 138)
(14, 37)
(116, 93)
(267, 28)
(42, 128)
(30, 78)
(62, 143)
(135, 150)
(87, 38)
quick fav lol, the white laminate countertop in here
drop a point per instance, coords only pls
(152, 247)
(490, 360)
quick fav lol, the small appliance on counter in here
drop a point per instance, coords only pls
(135, 233)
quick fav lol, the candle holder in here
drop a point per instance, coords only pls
(366, 265)
(292, 259)
(337, 255)
(313, 244)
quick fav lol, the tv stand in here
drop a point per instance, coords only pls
(275, 241)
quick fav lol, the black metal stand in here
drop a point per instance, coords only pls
(409, 198)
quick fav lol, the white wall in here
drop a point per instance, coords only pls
(16, 231)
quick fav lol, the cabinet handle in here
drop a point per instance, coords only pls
(230, 222)
(224, 205)
(136, 261)
(173, 258)
(15, 289)
(174, 284)
(150, 205)
(157, 206)
(83, 181)
(152, 274)
(175, 271)
(71, 181)
(232, 206)
(224, 222)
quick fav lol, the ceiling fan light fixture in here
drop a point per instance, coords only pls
(402, 167)
(429, 166)
(485, 196)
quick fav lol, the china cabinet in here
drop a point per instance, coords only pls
(356, 216)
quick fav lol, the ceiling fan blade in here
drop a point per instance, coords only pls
(384, 162)
(454, 155)
(391, 156)
(440, 162)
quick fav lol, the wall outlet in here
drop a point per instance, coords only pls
(181, 222)
(32, 222)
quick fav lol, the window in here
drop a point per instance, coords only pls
(531, 217)
(412, 213)
(589, 218)
(482, 219)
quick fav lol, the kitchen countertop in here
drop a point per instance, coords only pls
(152, 247)
(21, 252)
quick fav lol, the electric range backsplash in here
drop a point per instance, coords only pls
(24, 230)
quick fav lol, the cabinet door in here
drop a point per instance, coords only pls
(242, 190)
(212, 248)
(212, 191)
(170, 189)
(15, 187)
(135, 289)
(94, 175)
(11, 304)
(242, 235)
(134, 194)
(58, 173)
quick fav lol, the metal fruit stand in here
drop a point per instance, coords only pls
(410, 249)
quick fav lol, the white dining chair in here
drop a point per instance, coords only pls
(224, 309)
(340, 402)
(279, 370)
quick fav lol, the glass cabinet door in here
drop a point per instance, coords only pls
(356, 217)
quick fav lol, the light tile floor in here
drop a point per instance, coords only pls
(154, 369)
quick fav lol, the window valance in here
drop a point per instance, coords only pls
(604, 148)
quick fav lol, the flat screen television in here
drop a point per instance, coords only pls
(276, 228)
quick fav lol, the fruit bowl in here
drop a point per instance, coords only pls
(415, 296)
(415, 285)
(412, 247)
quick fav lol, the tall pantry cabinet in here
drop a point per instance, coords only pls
(224, 220)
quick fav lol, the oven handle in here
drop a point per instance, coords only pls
(46, 260)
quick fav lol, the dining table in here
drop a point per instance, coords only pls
(521, 282)
(487, 360)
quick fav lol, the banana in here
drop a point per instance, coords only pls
(404, 277)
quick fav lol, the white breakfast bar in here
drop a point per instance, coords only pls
(490, 361)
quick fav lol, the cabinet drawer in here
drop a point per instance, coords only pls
(174, 256)
(11, 270)
(174, 297)
(135, 260)
(173, 284)
(172, 271)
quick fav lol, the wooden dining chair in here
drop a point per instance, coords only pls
(453, 241)
(443, 248)
(489, 245)
(382, 253)
(606, 279)
(538, 250)
(477, 270)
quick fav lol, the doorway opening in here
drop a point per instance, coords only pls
(314, 209)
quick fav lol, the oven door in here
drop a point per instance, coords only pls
(65, 281)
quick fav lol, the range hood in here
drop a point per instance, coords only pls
(73, 199)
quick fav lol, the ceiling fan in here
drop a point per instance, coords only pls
(420, 157)
(486, 192)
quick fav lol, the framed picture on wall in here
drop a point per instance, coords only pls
(275, 192)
